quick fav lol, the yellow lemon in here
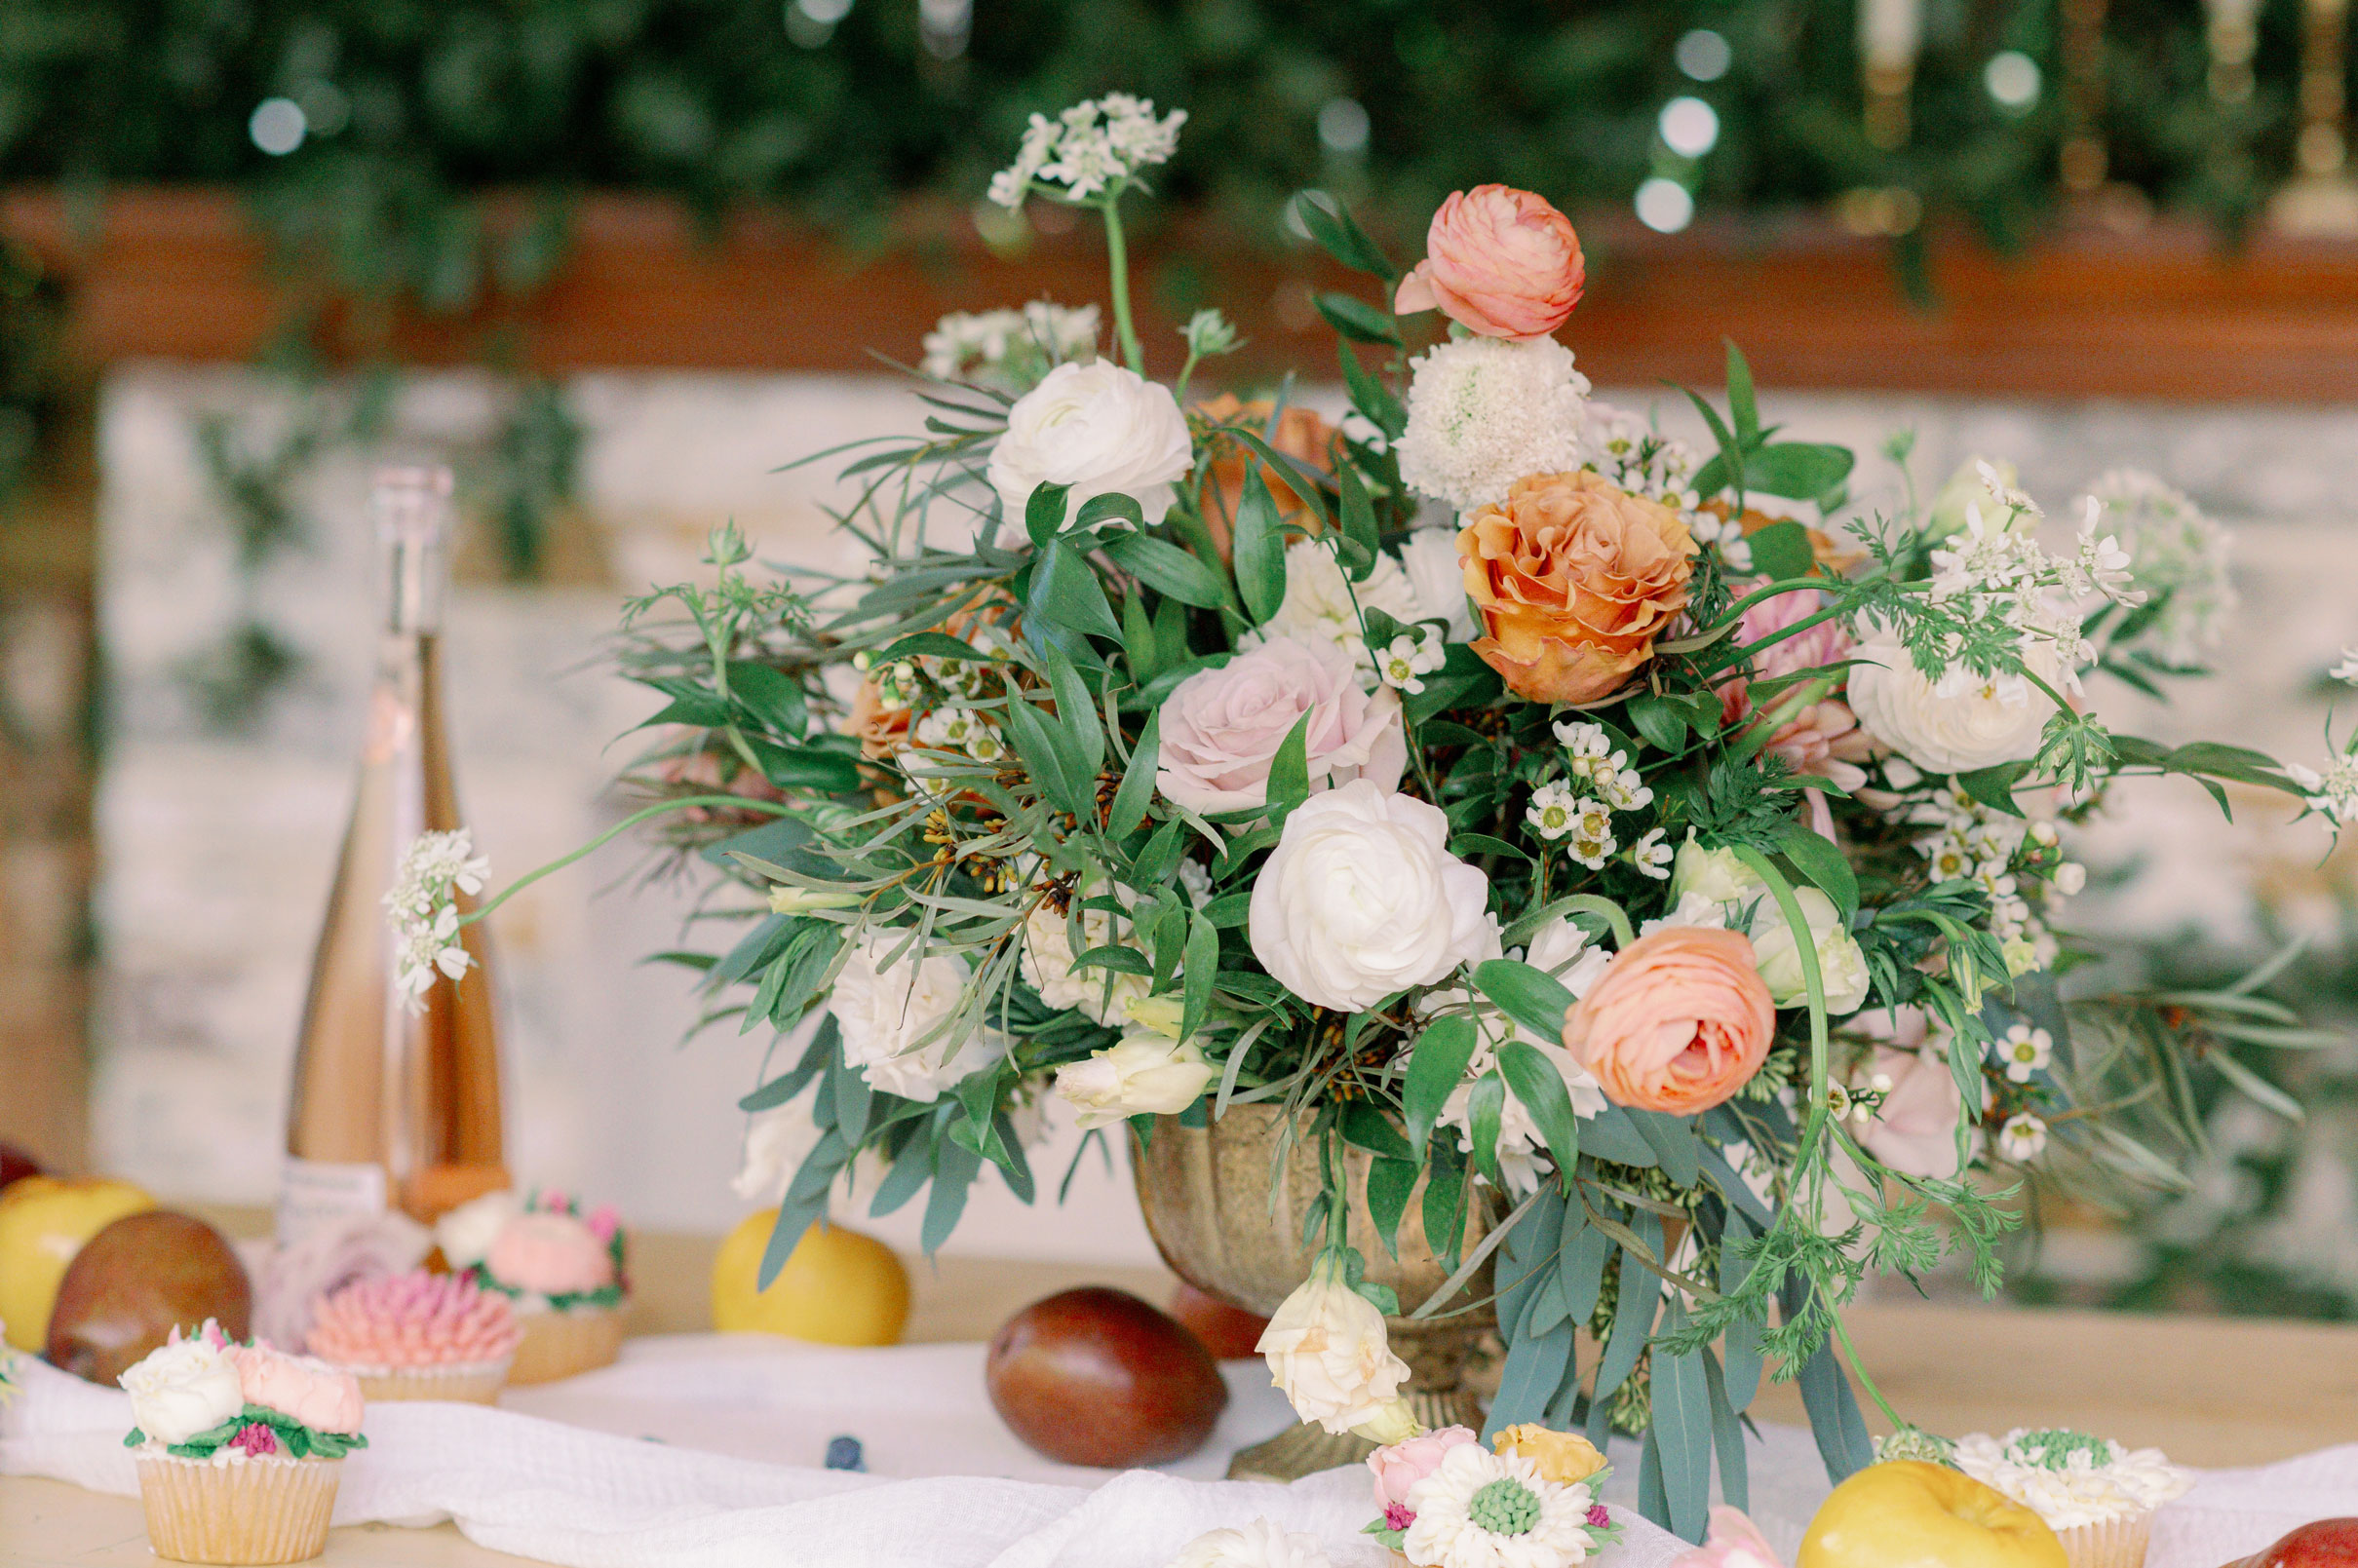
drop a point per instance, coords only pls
(838, 1287)
(1906, 1513)
(44, 1220)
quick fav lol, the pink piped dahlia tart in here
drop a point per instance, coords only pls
(239, 1449)
(561, 1267)
(419, 1336)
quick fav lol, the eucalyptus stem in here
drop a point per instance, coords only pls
(1117, 257)
(734, 802)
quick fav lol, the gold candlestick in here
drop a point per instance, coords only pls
(1892, 33)
(2234, 37)
(2321, 201)
(2084, 160)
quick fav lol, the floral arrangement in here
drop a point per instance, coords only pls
(1648, 852)
(206, 1397)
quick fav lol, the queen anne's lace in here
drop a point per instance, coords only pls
(423, 908)
(1090, 148)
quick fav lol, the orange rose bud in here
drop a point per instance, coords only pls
(1301, 433)
(1677, 1022)
(1574, 578)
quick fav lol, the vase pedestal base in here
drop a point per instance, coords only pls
(1309, 1449)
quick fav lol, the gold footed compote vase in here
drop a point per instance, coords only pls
(1226, 1215)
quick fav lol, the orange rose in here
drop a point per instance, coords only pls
(1301, 434)
(1679, 1021)
(1573, 578)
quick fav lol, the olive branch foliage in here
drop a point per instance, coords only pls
(1701, 1252)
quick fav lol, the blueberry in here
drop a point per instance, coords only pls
(843, 1453)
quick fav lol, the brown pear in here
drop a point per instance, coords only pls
(1229, 1334)
(1098, 1377)
(15, 1163)
(135, 1282)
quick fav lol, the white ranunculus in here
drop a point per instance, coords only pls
(1259, 1545)
(1098, 429)
(1322, 604)
(1980, 726)
(1327, 1350)
(1100, 995)
(465, 1233)
(1429, 556)
(181, 1390)
(1361, 899)
(884, 1012)
(1841, 966)
(1145, 1073)
(1717, 874)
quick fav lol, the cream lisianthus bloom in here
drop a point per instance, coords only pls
(1096, 429)
(886, 1005)
(1144, 1074)
(1361, 899)
(1327, 1351)
(1100, 995)
(1841, 966)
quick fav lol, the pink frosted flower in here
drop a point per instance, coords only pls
(604, 1221)
(256, 1442)
(1599, 1516)
(1733, 1542)
(1403, 1465)
(1396, 1517)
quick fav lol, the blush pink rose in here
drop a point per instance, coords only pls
(1679, 1021)
(1914, 1131)
(1221, 728)
(1735, 1542)
(554, 1255)
(1500, 262)
(298, 1387)
(1404, 1464)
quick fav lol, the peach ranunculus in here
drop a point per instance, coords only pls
(298, 1387)
(1679, 1021)
(1573, 578)
(1301, 433)
(880, 730)
(1499, 262)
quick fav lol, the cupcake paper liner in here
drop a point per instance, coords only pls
(245, 1515)
(2112, 1543)
(462, 1381)
(560, 1344)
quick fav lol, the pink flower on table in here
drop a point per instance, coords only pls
(604, 1221)
(1499, 262)
(1914, 1131)
(298, 1387)
(1735, 1542)
(1403, 1465)
(1221, 728)
(554, 1255)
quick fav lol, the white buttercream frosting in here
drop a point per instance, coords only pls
(2068, 1478)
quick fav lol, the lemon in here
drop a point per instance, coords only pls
(1906, 1513)
(838, 1287)
(44, 1220)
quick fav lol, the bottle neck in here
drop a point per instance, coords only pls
(416, 576)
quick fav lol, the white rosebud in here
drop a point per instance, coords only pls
(2069, 877)
(1841, 966)
(182, 1389)
(1429, 556)
(1717, 874)
(1327, 1350)
(1361, 899)
(1979, 724)
(788, 900)
(1145, 1073)
(1099, 430)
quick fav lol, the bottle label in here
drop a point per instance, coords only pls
(317, 1194)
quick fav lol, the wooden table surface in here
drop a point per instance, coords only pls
(2210, 1392)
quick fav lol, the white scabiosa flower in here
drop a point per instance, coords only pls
(1145, 1073)
(1484, 412)
(1328, 1352)
(1259, 1545)
(1480, 1509)
(2332, 793)
(892, 1009)
(1096, 429)
(2022, 1137)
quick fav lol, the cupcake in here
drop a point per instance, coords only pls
(562, 1268)
(2098, 1497)
(238, 1448)
(418, 1336)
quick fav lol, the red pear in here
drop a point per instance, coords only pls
(1098, 1377)
(2320, 1543)
(135, 1282)
(15, 1162)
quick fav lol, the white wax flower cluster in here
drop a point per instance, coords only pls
(893, 1008)
(1089, 148)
